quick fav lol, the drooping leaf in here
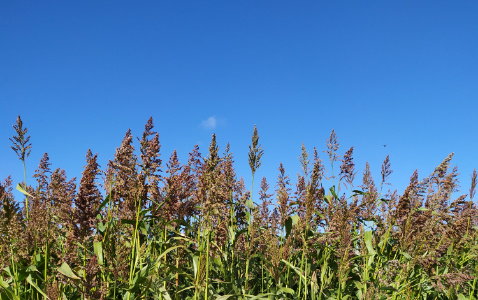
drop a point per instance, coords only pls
(67, 271)
(7, 290)
(287, 290)
(30, 281)
(21, 190)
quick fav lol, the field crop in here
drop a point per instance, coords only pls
(144, 228)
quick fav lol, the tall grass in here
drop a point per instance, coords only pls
(144, 229)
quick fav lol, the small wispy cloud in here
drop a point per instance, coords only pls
(209, 123)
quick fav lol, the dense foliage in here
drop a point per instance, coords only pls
(145, 229)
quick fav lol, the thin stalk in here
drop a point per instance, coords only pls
(207, 263)
(250, 220)
(26, 197)
(134, 246)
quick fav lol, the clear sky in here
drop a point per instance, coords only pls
(400, 73)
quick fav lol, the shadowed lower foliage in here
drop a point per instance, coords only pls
(141, 229)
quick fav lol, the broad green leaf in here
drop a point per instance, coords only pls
(260, 296)
(295, 219)
(358, 284)
(103, 204)
(101, 227)
(368, 242)
(328, 199)
(287, 290)
(164, 293)
(30, 281)
(66, 270)
(225, 297)
(98, 249)
(296, 270)
(8, 271)
(4, 287)
(158, 259)
(139, 278)
(32, 268)
(250, 204)
(19, 188)
(450, 250)
(332, 191)
(126, 221)
(288, 226)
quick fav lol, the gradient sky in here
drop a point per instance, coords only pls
(400, 73)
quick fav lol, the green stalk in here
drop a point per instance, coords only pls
(304, 248)
(323, 272)
(249, 234)
(26, 197)
(134, 246)
(14, 271)
(207, 263)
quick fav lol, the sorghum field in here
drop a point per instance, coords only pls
(149, 227)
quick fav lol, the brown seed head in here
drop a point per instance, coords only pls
(20, 141)
(255, 152)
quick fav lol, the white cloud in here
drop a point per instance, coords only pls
(210, 123)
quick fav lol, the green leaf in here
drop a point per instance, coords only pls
(296, 270)
(226, 297)
(250, 204)
(195, 264)
(288, 226)
(358, 284)
(19, 188)
(368, 242)
(358, 192)
(101, 227)
(31, 269)
(4, 287)
(287, 290)
(126, 221)
(332, 191)
(407, 256)
(295, 219)
(30, 281)
(158, 259)
(261, 296)
(66, 270)
(388, 288)
(164, 293)
(328, 199)
(461, 297)
(103, 204)
(98, 249)
(139, 278)
(8, 271)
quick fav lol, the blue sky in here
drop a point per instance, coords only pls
(400, 73)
